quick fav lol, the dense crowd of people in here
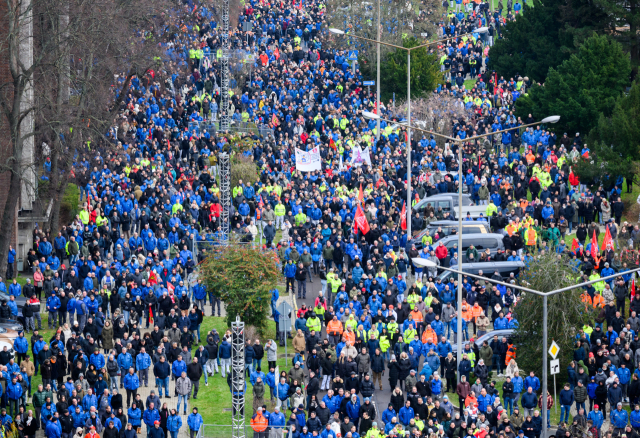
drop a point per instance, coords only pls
(151, 198)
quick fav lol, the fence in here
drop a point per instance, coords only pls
(226, 431)
(242, 127)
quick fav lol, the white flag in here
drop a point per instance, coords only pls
(308, 161)
(360, 156)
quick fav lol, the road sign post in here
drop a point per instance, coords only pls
(285, 324)
(555, 369)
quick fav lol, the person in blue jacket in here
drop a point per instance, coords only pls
(619, 420)
(14, 393)
(15, 289)
(134, 415)
(353, 409)
(277, 420)
(53, 304)
(634, 418)
(388, 414)
(532, 381)
(174, 423)
(143, 362)
(406, 414)
(131, 384)
(194, 421)
(224, 354)
(97, 359)
(597, 417)
(21, 346)
(150, 416)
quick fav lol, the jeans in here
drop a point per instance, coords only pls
(564, 413)
(496, 362)
(257, 363)
(143, 376)
(225, 364)
(302, 289)
(163, 383)
(115, 380)
(508, 405)
(126, 316)
(581, 405)
(248, 366)
(447, 329)
(204, 371)
(186, 403)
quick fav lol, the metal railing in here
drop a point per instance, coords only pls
(212, 127)
(225, 430)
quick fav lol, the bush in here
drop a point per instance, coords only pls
(243, 168)
(69, 206)
(242, 276)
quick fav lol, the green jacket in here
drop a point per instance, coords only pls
(39, 398)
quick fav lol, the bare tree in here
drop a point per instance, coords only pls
(399, 19)
(84, 56)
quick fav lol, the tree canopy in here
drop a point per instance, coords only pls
(566, 313)
(544, 36)
(243, 277)
(614, 142)
(425, 71)
(582, 88)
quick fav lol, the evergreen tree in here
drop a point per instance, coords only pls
(582, 88)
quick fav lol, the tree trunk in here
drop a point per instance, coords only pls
(9, 213)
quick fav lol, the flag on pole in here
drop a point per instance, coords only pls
(153, 278)
(360, 194)
(332, 145)
(575, 245)
(594, 246)
(361, 221)
(633, 288)
(170, 287)
(403, 216)
(608, 240)
(150, 315)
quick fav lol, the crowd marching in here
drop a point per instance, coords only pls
(116, 281)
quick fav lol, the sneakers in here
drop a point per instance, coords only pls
(206, 384)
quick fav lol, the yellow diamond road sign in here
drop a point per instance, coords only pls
(554, 349)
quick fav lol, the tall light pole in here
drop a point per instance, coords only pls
(550, 119)
(408, 50)
(545, 334)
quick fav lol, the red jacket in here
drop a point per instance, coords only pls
(441, 252)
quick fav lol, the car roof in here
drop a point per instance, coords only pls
(491, 264)
(472, 236)
(455, 223)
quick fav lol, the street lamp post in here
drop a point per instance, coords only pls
(550, 119)
(429, 264)
(378, 119)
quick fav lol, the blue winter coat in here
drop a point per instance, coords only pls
(174, 423)
(131, 382)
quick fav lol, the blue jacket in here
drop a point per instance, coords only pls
(635, 418)
(484, 401)
(518, 384)
(78, 418)
(143, 361)
(224, 352)
(125, 361)
(566, 397)
(353, 410)
(283, 391)
(97, 360)
(14, 392)
(436, 386)
(131, 382)
(88, 401)
(501, 324)
(199, 292)
(624, 374)
(21, 345)
(178, 367)
(53, 303)
(619, 418)
(53, 429)
(135, 416)
(405, 415)
(275, 419)
(529, 401)
(174, 423)
(533, 382)
(443, 348)
(598, 418)
(15, 289)
(150, 416)
(388, 415)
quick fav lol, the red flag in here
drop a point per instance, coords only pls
(361, 221)
(360, 194)
(150, 314)
(575, 245)
(403, 216)
(608, 240)
(170, 287)
(633, 288)
(274, 120)
(594, 247)
(332, 145)
(153, 278)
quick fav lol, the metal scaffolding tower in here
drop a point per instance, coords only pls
(237, 376)
(225, 117)
(225, 196)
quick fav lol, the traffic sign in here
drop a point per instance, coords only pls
(555, 366)
(285, 316)
(353, 55)
(554, 349)
(369, 83)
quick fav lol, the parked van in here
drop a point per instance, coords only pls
(444, 228)
(480, 241)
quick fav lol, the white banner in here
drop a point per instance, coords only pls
(360, 156)
(308, 161)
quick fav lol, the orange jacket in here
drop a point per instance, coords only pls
(350, 337)
(598, 301)
(334, 328)
(259, 423)
(417, 315)
(476, 310)
(467, 313)
(429, 333)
